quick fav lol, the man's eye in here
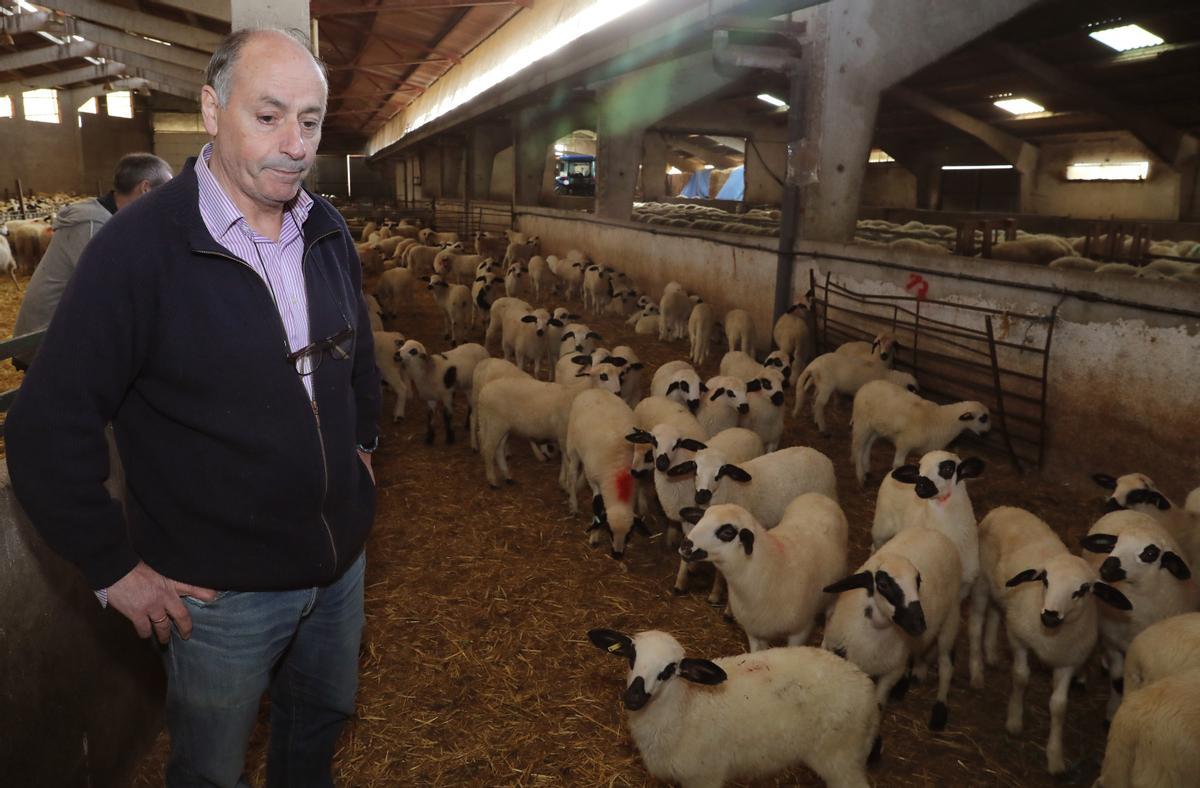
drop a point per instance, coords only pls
(310, 125)
(266, 118)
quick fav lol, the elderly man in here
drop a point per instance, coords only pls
(74, 226)
(219, 324)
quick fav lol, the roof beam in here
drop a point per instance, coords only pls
(213, 9)
(80, 95)
(60, 78)
(403, 41)
(138, 22)
(24, 23)
(173, 71)
(1013, 149)
(46, 55)
(1170, 144)
(136, 44)
(409, 5)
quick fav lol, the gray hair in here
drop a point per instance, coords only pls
(219, 74)
(133, 168)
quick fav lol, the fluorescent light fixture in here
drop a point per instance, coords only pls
(775, 102)
(92, 60)
(26, 6)
(978, 167)
(157, 40)
(709, 167)
(1126, 38)
(879, 156)
(78, 38)
(50, 37)
(1019, 106)
(673, 170)
(1109, 171)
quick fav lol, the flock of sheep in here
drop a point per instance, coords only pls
(705, 455)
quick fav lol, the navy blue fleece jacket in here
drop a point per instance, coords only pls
(235, 479)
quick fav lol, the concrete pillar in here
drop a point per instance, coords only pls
(451, 155)
(286, 14)
(529, 163)
(486, 140)
(654, 166)
(618, 155)
(859, 50)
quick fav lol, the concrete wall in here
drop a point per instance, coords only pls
(47, 157)
(106, 140)
(1120, 374)
(889, 186)
(503, 173)
(178, 136)
(1155, 198)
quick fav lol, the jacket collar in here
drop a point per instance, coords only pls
(185, 207)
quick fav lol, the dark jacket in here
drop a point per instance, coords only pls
(235, 480)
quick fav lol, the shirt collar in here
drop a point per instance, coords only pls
(219, 212)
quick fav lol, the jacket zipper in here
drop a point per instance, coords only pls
(313, 401)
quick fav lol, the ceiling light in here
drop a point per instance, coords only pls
(879, 156)
(1108, 171)
(709, 167)
(158, 41)
(51, 38)
(26, 6)
(78, 38)
(673, 170)
(1127, 37)
(775, 102)
(978, 167)
(1019, 106)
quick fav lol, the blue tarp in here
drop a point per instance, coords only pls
(697, 185)
(735, 187)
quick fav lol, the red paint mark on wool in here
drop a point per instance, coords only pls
(624, 486)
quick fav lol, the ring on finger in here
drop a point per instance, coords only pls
(158, 620)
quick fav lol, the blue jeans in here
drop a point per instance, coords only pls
(301, 645)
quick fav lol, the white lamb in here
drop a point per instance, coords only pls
(577, 338)
(633, 373)
(540, 277)
(500, 309)
(1043, 592)
(724, 404)
(485, 372)
(454, 302)
(517, 281)
(597, 288)
(1152, 741)
(678, 380)
(1143, 562)
(932, 495)
(374, 312)
(764, 395)
(531, 409)
(701, 724)
(740, 333)
(884, 410)
(883, 347)
(701, 323)
(1163, 649)
(597, 451)
(435, 378)
(483, 293)
(843, 373)
(901, 607)
(674, 309)
(1137, 491)
(387, 345)
(523, 338)
(792, 336)
(775, 577)
(763, 486)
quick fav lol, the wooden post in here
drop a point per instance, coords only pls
(21, 197)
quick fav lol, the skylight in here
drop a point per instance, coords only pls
(775, 102)
(88, 106)
(978, 167)
(1109, 171)
(51, 38)
(1019, 106)
(1126, 37)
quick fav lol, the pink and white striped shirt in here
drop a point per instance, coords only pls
(279, 263)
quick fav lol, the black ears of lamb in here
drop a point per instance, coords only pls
(701, 671)
(691, 514)
(683, 468)
(1098, 543)
(641, 436)
(1111, 596)
(614, 643)
(860, 580)
(733, 472)
(1153, 497)
(970, 468)
(1105, 481)
(907, 474)
(1175, 565)
(1027, 576)
(746, 537)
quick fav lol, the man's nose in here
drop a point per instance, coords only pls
(293, 144)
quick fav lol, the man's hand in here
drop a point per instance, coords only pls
(152, 602)
(366, 460)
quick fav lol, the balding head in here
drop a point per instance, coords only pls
(263, 103)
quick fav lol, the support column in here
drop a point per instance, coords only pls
(654, 166)
(486, 140)
(618, 155)
(859, 50)
(529, 156)
(286, 14)
(452, 168)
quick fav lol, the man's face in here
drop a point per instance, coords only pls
(266, 137)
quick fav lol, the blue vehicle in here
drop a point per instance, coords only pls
(575, 174)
